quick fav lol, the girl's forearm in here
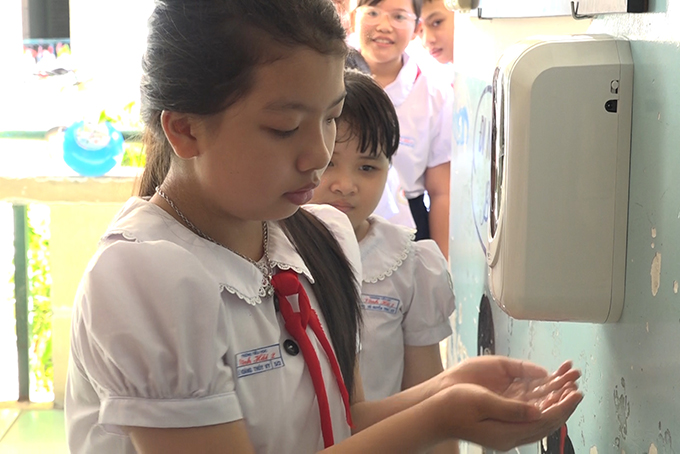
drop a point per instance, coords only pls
(367, 413)
(411, 430)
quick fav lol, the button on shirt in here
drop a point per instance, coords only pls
(407, 298)
(169, 331)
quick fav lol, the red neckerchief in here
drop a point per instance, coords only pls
(286, 283)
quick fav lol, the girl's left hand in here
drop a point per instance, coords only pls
(500, 422)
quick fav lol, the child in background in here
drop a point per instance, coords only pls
(436, 30)
(354, 58)
(424, 104)
(200, 323)
(406, 289)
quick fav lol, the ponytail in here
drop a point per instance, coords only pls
(334, 286)
(158, 158)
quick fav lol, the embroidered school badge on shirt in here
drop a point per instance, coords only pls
(407, 141)
(378, 303)
(258, 360)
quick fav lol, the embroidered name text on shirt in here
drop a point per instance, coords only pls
(377, 303)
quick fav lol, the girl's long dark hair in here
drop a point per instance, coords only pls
(201, 57)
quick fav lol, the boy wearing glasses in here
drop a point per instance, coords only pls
(424, 105)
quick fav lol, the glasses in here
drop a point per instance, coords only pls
(372, 15)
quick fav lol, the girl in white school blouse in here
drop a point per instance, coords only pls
(424, 105)
(219, 317)
(406, 290)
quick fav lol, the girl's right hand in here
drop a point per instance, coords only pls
(477, 414)
(502, 375)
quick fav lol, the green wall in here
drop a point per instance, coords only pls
(631, 368)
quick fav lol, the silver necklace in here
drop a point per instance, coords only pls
(265, 267)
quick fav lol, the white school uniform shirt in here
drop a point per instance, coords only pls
(407, 298)
(423, 100)
(169, 331)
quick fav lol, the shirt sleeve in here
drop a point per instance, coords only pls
(149, 333)
(426, 321)
(441, 145)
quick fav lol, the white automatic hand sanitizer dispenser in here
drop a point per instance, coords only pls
(559, 178)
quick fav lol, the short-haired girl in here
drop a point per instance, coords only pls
(406, 290)
(219, 317)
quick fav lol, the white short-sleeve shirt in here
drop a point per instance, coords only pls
(424, 104)
(169, 331)
(407, 298)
